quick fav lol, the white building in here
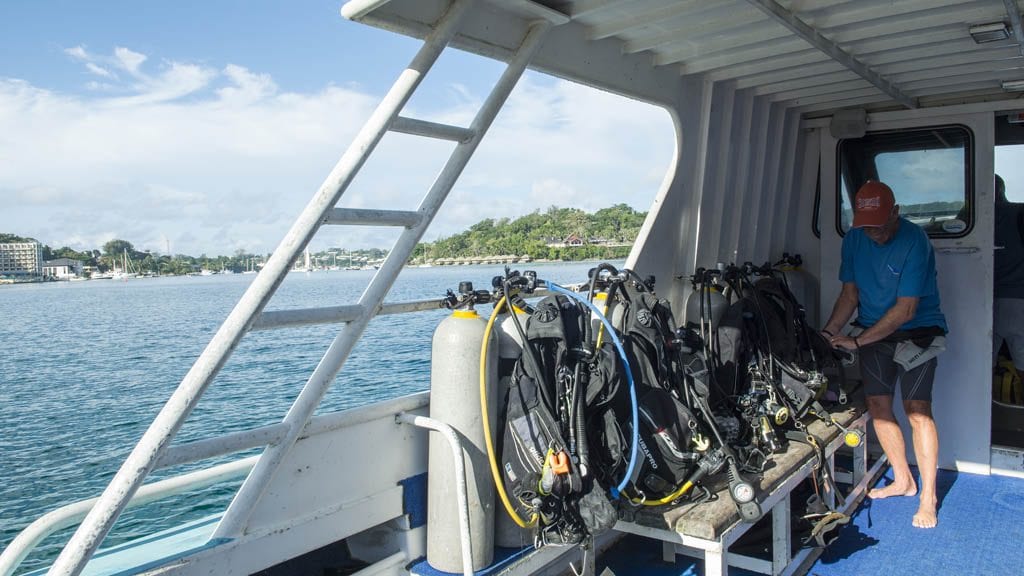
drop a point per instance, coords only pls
(21, 259)
(62, 268)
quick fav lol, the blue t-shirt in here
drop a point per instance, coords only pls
(904, 266)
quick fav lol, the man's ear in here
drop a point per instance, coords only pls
(896, 209)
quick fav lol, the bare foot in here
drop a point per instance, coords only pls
(926, 517)
(895, 489)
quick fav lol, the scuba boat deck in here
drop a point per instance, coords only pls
(880, 540)
(781, 110)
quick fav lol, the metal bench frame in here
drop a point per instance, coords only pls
(716, 555)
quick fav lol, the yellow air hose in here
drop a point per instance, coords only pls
(667, 499)
(498, 483)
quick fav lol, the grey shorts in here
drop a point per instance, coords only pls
(1008, 325)
(881, 374)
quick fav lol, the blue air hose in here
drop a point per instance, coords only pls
(615, 490)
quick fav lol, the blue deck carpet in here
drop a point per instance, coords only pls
(980, 531)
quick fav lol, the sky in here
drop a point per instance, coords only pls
(196, 127)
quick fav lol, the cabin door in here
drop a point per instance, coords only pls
(941, 170)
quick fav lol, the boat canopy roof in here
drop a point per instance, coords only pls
(816, 56)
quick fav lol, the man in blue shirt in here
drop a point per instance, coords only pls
(888, 276)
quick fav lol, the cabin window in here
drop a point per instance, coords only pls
(928, 170)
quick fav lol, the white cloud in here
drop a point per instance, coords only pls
(78, 53)
(176, 81)
(231, 165)
(98, 70)
(129, 60)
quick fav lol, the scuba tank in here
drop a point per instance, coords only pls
(715, 302)
(454, 381)
(802, 284)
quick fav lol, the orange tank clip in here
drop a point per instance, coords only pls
(559, 463)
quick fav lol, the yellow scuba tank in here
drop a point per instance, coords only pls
(454, 400)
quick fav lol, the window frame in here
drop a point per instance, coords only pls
(969, 192)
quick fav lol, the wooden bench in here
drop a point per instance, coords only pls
(707, 530)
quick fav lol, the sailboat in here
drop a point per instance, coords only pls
(250, 269)
(127, 270)
(306, 264)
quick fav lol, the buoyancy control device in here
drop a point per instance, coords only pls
(770, 367)
(543, 449)
(671, 439)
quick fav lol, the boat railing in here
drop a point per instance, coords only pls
(187, 453)
(28, 539)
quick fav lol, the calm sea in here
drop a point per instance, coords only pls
(85, 366)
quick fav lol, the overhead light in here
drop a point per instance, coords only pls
(1016, 85)
(990, 32)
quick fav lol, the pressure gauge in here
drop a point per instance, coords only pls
(742, 492)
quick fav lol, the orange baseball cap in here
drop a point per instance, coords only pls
(873, 204)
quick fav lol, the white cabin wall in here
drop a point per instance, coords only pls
(772, 191)
(737, 191)
(713, 201)
(664, 246)
(756, 145)
(737, 175)
(796, 234)
(751, 180)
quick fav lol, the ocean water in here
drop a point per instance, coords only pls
(86, 366)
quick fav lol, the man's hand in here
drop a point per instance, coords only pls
(844, 342)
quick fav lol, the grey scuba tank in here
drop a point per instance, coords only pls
(714, 304)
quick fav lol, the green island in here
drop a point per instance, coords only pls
(554, 234)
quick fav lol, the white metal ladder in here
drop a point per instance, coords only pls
(248, 314)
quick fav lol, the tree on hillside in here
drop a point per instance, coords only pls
(117, 247)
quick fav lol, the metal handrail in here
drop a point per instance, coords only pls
(275, 319)
(69, 515)
(461, 491)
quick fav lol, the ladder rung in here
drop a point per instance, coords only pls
(430, 129)
(339, 314)
(367, 217)
(306, 316)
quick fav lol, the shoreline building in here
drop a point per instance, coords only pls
(62, 268)
(21, 260)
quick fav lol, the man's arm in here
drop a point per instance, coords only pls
(900, 313)
(843, 309)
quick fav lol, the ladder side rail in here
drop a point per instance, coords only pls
(139, 463)
(237, 516)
